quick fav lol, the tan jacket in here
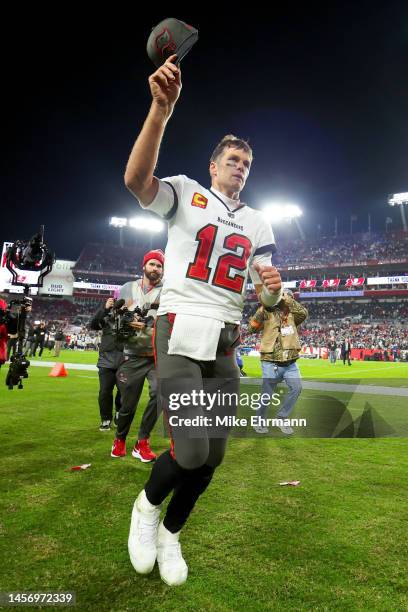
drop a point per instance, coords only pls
(274, 345)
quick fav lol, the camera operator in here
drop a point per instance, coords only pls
(15, 320)
(138, 362)
(110, 357)
(3, 333)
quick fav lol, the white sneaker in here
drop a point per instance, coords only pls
(261, 430)
(105, 426)
(142, 542)
(173, 569)
(286, 429)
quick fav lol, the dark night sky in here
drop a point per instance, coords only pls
(321, 93)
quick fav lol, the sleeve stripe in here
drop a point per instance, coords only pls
(174, 208)
(268, 248)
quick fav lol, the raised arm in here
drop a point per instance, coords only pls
(165, 87)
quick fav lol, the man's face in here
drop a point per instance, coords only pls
(153, 270)
(230, 171)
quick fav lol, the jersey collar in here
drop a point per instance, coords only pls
(231, 205)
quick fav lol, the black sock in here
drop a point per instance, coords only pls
(164, 477)
(192, 484)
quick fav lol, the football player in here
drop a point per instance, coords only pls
(214, 240)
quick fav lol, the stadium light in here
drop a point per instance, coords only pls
(118, 222)
(401, 200)
(146, 224)
(277, 212)
(281, 212)
(396, 199)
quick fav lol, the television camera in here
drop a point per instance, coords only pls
(32, 255)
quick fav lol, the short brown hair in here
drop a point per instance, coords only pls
(230, 141)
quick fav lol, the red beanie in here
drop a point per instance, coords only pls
(155, 254)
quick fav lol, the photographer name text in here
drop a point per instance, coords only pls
(233, 421)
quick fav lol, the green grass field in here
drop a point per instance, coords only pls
(336, 542)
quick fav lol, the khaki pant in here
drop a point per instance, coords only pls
(57, 347)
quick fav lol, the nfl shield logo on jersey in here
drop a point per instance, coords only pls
(199, 200)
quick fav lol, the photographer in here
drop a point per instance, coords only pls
(110, 357)
(138, 362)
(280, 348)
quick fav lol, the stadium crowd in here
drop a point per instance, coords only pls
(356, 248)
(367, 310)
(389, 336)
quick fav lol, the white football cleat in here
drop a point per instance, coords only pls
(142, 542)
(172, 567)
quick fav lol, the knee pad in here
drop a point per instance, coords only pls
(192, 461)
(191, 454)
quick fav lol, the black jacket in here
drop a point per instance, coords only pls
(40, 333)
(110, 351)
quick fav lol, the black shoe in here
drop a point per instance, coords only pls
(105, 426)
(243, 374)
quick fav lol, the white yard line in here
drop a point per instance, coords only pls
(93, 377)
(352, 371)
(68, 366)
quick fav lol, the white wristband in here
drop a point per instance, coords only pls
(270, 299)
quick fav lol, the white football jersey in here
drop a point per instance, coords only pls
(211, 246)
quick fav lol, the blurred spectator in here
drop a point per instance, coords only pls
(59, 338)
(346, 351)
(40, 332)
(332, 348)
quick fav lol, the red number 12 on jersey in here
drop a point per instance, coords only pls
(200, 270)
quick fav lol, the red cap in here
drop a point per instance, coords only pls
(155, 254)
